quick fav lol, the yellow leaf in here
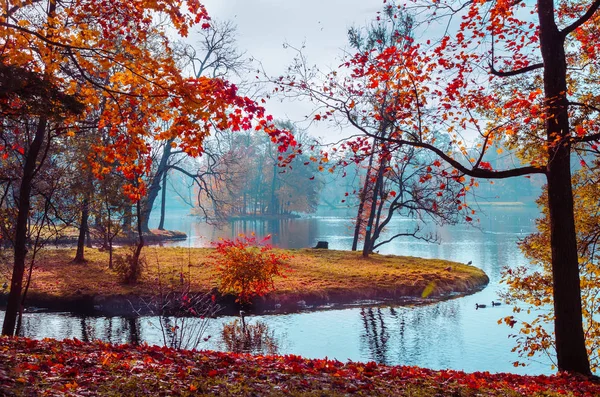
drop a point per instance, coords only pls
(428, 289)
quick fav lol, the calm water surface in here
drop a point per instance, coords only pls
(450, 334)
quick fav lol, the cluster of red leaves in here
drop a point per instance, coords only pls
(72, 367)
(246, 267)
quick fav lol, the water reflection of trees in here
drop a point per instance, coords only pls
(375, 333)
(111, 329)
(86, 328)
(285, 233)
(406, 334)
(257, 338)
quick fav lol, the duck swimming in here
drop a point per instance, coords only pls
(477, 306)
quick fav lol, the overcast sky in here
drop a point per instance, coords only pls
(321, 25)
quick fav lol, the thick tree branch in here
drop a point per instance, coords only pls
(183, 171)
(583, 19)
(584, 105)
(474, 172)
(588, 138)
(48, 40)
(515, 72)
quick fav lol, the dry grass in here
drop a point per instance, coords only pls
(316, 273)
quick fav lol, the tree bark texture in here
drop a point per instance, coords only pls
(568, 323)
(83, 228)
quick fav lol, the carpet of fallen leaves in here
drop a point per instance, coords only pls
(73, 368)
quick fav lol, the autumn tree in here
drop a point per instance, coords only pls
(398, 182)
(409, 187)
(401, 182)
(213, 55)
(87, 53)
(497, 71)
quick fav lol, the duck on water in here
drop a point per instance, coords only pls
(483, 306)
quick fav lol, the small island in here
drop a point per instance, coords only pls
(313, 278)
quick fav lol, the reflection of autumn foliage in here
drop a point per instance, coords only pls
(246, 267)
(532, 285)
(254, 338)
(71, 367)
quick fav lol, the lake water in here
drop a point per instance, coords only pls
(450, 334)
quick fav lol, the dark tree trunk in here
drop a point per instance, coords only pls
(108, 236)
(361, 204)
(20, 244)
(128, 220)
(359, 215)
(163, 202)
(570, 340)
(83, 228)
(155, 186)
(88, 236)
(368, 245)
(273, 210)
(138, 249)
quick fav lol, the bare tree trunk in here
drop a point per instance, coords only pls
(163, 202)
(108, 237)
(20, 244)
(83, 228)
(128, 221)
(368, 245)
(138, 250)
(361, 205)
(273, 205)
(155, 186)
(359, 215)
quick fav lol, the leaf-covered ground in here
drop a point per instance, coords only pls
(73, 368)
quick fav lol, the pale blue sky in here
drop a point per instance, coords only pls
(264, 25)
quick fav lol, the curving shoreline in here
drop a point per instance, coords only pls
(316, 280)
(155, 236)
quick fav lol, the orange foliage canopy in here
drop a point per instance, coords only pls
(116, 59)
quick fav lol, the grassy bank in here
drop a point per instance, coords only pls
(317, 275)
(74, 368)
